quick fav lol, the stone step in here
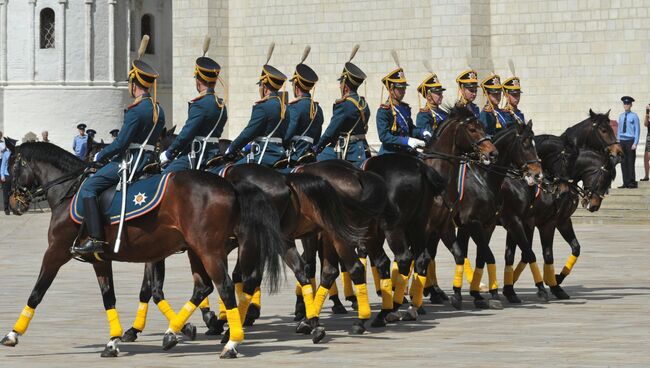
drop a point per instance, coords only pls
(612, 216)
(640, 191)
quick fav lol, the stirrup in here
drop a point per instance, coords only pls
(90, 246)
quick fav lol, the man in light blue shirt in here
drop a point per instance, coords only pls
(80, 142)
(628, 135)
(5, 179)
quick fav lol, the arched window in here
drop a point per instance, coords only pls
(47, 28)
(146, 28)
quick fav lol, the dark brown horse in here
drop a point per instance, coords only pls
(183, 220)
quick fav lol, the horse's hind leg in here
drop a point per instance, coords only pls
(304, 287)
(202, 288)
(448, 236)
(508, 271)
(55, 257)
(546, 235)
(353, 265)
(566, 230)
(104, 273)
(329, 273)
(431, 286)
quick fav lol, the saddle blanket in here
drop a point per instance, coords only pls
(142, 197)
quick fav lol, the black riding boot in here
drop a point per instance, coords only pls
(93, 219)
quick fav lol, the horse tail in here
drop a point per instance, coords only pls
(436, 181)
(259, 228)
(328, 207)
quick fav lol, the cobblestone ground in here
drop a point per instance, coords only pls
(606, 323)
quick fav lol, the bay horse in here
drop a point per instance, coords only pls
(548, 212)
(414, 190)
(183, 220)
(306, 205)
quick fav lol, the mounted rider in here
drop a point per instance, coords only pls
(198, 141)
(305, 115)
(467, 86)
(345, 137)
(492, 117)
(269, 119)
(144, 120)
(395, 127)
(512, 91)
(431, 116)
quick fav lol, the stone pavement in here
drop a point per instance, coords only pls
(606, 323)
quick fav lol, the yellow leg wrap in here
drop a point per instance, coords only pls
(432, 279)
(569, 265)
(537, 276)
(257, 298)
(549, 274)
(141, 316)
(23, 321)
(308, 297)
(166, 310)
(243, 305)
(400, 288)
(476, 280)
(394, 274)
(235, 325)
(492, 276)
(114, 323)
(386, 288)
(334, 290)
(205, 303)
(375, 278)
(362, 300)
(312, 281)
(458, 276)
(239, 290)
(319, 300)
(508, 279)
(417, 286)
(298, 289)
(347, 284)
(469, 274)
(181, 318)
(222, 310)
(521, 266)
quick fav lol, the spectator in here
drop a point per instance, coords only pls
(80, 142)
(646, 155)
(2, 142)
(5, 179)
(45, 136)
(628, 135)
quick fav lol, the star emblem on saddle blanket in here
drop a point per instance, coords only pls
(139, 199)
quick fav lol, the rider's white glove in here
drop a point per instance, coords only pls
(427, 134)
(163, 158)
(415, 143)
(95, 157)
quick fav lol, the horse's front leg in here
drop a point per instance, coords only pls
(55, 257)
(104, 273)
(566, 230)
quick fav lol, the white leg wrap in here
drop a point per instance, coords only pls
(231, 345)
(113, 344)
(13, 336)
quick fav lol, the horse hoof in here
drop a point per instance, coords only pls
(512, 298)
(481, 304)
(130, 335)
(421, 311)
(495, 304)
(228, 353)
(339, 309)
(456, 302)
(357, 329)
(441, 293)
(226, 337)
(559, 293)
(411, 314)
(169, 341)
(392, 317)
(215, 327)
(111, 350)
(10, 340)
(379, 321)
(303, 328)
(542, 295)
(189, 330)
(317, 335)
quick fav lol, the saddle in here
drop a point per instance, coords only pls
(142, 197)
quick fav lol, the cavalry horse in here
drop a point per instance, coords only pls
(414, 189)
(183, 220)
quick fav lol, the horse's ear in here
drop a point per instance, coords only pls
(10, 144)
(608, 111)
(172, 130)
(530, 124)
(102, 140)
(592, 114)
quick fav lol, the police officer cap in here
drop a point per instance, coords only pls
(81, 126)
(627, 100)
(114, 132)
(91, 131)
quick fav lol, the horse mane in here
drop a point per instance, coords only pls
(51, 154)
